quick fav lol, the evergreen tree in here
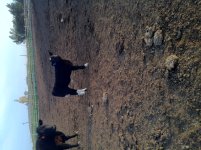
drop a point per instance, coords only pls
(17, 33)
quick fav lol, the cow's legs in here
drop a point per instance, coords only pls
(71, 91)
(70, 137)
(67, 146)
(64, 137)
(73, 68)
(76, 92)
(81, 91)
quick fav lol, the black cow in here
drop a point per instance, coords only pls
(51, 139)
(63, 70)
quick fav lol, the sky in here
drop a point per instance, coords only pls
(14, 127)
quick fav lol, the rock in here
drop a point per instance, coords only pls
(158, 21)
(130, 128)
(149, 32)
(185, 147)
(62, 20)
(122, 119)
(158, 38)
(122, 139)
(105, 97)
(148, 42)
(178, 34)
(90, 110)
(148, 36)
(171, 61)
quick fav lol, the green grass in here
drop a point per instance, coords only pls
(31, 78)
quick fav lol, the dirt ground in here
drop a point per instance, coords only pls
(133, 101)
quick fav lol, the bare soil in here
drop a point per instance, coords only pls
(133, 101)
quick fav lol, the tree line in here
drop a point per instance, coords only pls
(17, 33)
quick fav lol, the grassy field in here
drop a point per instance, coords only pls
(31, 79)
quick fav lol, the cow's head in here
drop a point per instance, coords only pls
(53, 58)
(40, 122)
(45, 130)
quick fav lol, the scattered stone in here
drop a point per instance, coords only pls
(152, 37)
(148, 36)
(185, 147)
(62, 20)
(158, 38)
(105, 97)
(90, 110)
(171, 62)
(148, 42)
(130, 128)
(158, 21)
(122, 119)
(60, 17)
(122, 138)
(149, 32)
(178, 34)
(128, 112)
(120, 47)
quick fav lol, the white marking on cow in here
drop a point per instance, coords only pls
(67, 96)
(81, 91)
(86, 64)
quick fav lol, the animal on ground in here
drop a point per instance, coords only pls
(63, 70)
(48, 138)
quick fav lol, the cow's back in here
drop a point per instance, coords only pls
(45, 144)
(62, 73)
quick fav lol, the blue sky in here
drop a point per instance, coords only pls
(14, 135)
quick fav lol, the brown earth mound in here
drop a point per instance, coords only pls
(144, 75)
